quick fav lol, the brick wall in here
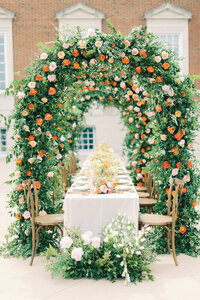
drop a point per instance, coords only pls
(35, 22)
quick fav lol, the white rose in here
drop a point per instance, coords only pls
(43, 55)
(96, 242)
(52, 66)
(86, 237)
(18, 137)
(51, 77)
(77, 254)
(66, 242)
(91, 32)
(175, 171)
(182, 143)
(17, 174)
(62, 138)
(20, 95)
(50, 174)
(32, 84)
(98, 44)
(31, 160)
(135, 51)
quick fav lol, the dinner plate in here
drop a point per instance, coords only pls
(80, 188)
(125, 181)
(125, 188)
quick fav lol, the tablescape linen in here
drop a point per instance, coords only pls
(100, 191)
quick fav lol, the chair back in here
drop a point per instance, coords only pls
(176, 194)
(31, 199)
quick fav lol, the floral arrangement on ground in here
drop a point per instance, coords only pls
(120, 254)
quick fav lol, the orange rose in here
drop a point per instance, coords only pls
(38, 77)
(125, 60)
(52, 91)
(28, 173)
(18, 216)
(143, 102)
(45, 68)
(150, 69)
(20, 187)
(171, 129)
(175, 151)
(143, 53)
(142, 150)
(183, 131)
(59, 105)
(76, 65)
(48, 117)
(184, 190)
(31, 138)
(33, 92)
(138, 170)
(143, 136)
(178, 165)
(75, 53)
(166, 165)
(66, 62)
(138, 69)
(55, 137)
(140, 184)
(31, 106)
(70, 141)
(37, 185)
(183, 94)
(102, 57)
(62, 146)
(18, 161)
(114, 83)
(178, 136)
(194, 203)
(41, 153)
(182, 229)
(159, 79)
(165, 66)
(189, 164)
(158, 108)
(39, 122)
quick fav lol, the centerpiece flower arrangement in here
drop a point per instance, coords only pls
(119, 254)
(103, 169)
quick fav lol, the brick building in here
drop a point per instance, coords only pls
(25, 23)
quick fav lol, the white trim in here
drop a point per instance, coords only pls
(168, 11)
(84, 12)
(80, 15)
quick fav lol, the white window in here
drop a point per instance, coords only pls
(87, 140)
(171, 24)
(3, 141)
(80, 15)
(171, 41)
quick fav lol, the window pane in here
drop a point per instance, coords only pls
(2, 48)
(87, 139)
(2, 85)
(2, 67)
(3, 140)
(1, 57)
(2, 76)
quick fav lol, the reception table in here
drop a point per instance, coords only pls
(92, 211)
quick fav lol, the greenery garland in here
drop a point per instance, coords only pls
(135, 74)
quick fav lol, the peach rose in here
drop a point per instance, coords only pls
(61, 54)
(98, 44)
(157, 59)
(31, 160)
(163, 137)
(33, 143)
(24, 112)
(164, 55)
(127, 43)
(21, 200)
(44, 100)
(177, 113)
(82, 44)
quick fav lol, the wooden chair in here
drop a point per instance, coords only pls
(38, 221)
(69, 170)
(167, 221)
(147, 199)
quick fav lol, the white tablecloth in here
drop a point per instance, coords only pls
(93, 211)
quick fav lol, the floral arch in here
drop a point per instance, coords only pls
(140, 78)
